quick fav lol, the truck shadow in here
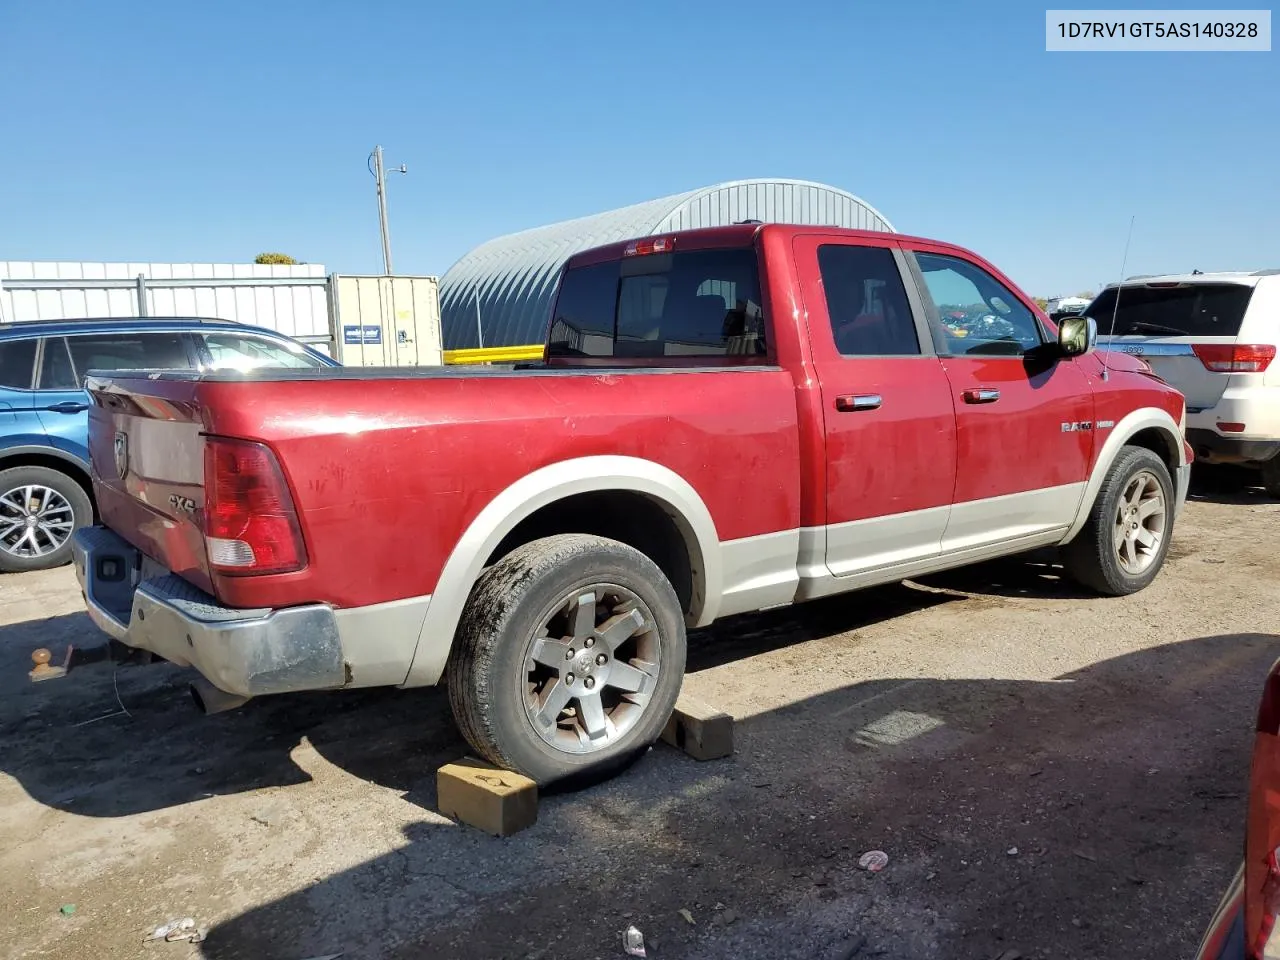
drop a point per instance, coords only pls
(1036, 574)
(1099, 814)
(63, 738)
(750, 634)
(1010, 809)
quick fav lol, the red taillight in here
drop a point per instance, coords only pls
(1235, 358)
(250, 525)
(642, 248)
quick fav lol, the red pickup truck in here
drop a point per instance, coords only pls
(725, 420)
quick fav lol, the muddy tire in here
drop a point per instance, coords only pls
(1123, 544)
(568, 659)
(40, 509)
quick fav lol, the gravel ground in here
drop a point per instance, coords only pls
(1049, 772)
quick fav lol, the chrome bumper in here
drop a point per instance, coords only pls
(245, 652)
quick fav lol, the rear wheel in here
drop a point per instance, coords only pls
(1271, 477)
(1123, 545)
(568, 659)
(40, 509)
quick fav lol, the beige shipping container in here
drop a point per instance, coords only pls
(387, 321)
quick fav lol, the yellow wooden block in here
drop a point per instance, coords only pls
(702, 732)
(495, 801)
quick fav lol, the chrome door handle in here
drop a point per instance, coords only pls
(982, 395)
(853, 402)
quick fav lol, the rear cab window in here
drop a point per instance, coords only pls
(1173, 309)
(699, 305)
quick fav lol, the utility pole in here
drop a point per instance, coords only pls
(380, 177)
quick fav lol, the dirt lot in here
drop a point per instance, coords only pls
(1049, 773)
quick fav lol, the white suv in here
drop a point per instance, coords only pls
(1214, 337)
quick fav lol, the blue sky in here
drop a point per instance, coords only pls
(211, 132)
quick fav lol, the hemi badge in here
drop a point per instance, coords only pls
(1106, 424)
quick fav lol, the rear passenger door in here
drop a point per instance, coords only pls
(889, 421)
(65, 362)
(19, 425)
(61, 401)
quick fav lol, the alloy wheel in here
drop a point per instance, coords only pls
(35, 521)
(1140, 522)
(590, 669)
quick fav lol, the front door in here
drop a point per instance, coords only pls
(1024, 414)
(889, 423)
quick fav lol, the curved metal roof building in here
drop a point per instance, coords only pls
(504, 287)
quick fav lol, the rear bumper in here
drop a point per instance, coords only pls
(245, 652)
(1213, 447)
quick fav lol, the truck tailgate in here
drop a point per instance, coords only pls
(146, 446)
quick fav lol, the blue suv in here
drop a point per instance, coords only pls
(45, 493)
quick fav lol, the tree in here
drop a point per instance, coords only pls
(1041, 302)
(275, 258)
(1087, 295)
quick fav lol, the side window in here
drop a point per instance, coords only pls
(867, 303)
(129, 351)
(229, 351)
(583, 323)
(56, 372)
(976, 312)
(17, 363)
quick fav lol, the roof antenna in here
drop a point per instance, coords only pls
(1106, 375)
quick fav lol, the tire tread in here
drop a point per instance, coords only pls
(1089, 558)
(486, 623)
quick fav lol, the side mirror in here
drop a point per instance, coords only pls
(1077, 336)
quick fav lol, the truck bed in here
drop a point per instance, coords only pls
(413, 456)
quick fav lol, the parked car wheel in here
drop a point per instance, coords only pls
(1126, 538)
(1223, 478)
(40, 509)
(1271, 477)
(568, 659)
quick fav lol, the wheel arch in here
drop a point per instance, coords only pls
(1148, 427)
(499, 525)
(51, 458)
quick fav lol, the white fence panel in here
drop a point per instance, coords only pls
(47, 290)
